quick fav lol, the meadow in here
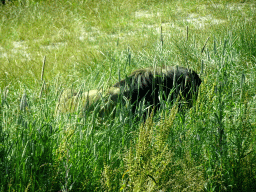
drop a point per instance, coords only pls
(47, 46)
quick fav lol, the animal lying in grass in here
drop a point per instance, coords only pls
(148, 85)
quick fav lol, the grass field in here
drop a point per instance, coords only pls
(91, 45)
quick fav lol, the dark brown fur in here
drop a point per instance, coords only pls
(152, 83)
(147, 84)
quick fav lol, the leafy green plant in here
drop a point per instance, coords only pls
(87, 45)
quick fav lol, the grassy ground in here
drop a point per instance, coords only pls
(92, 44)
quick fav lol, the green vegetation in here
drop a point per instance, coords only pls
(91, 45)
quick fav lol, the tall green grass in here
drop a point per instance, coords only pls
(93, 44)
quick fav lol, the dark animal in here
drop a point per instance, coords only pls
(71, 101)
(151, 85)
(168, 83)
